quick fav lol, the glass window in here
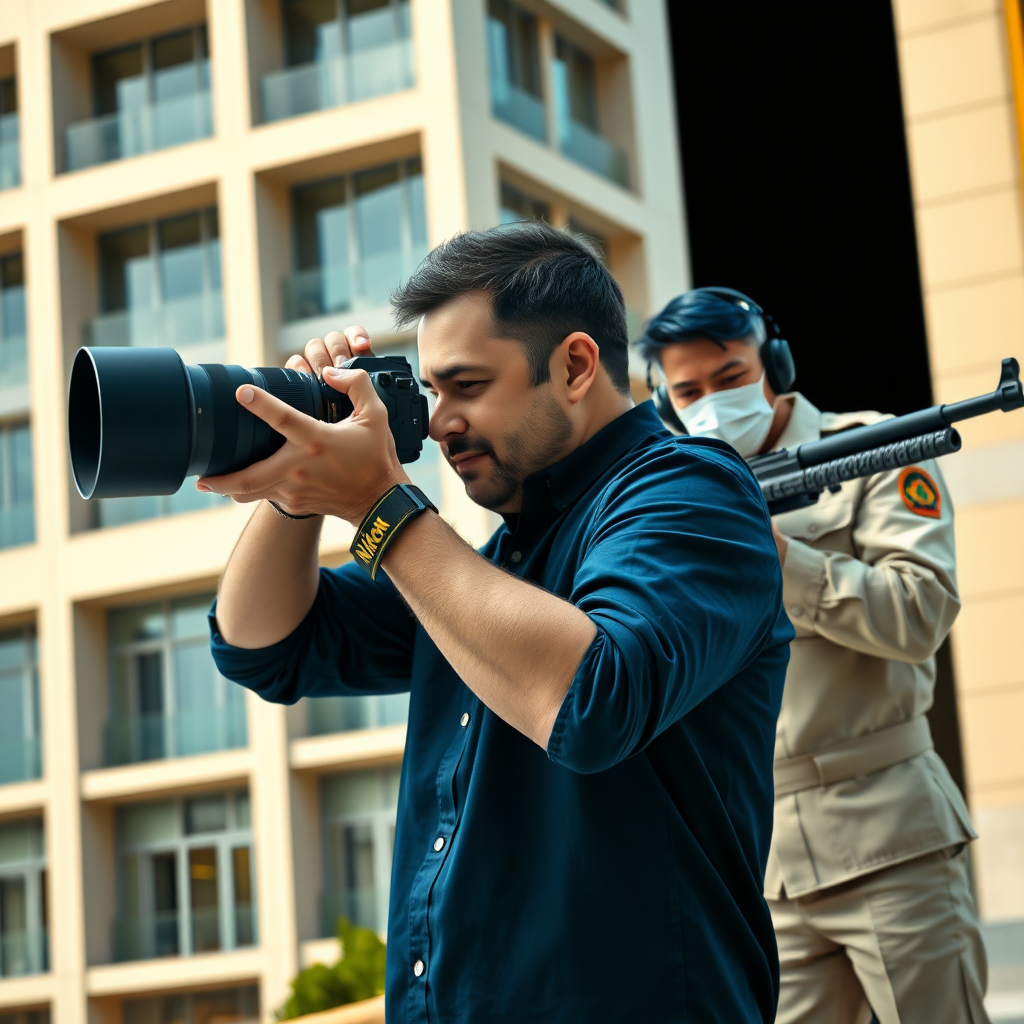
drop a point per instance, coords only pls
(23, 943)
(118, 80)
(166, 697)
(217, 1006)
(575, 69)
(513, 46)
(322, 30)
(185, 866)
(517, 205)
(126, 270)
(311, 31)
(8, 96)
(13, 328)
(355, 238)
(20, 747)
(358, 810)
(17, 516)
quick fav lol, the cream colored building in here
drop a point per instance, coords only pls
(232, 178)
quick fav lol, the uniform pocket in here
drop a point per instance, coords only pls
(810, 524)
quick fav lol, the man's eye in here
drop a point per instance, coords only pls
(735, 378)
(465, 384)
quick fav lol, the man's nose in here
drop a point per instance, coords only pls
(445, 422)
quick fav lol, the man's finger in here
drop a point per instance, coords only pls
(295, 425)
(298, 363)
(249, 484)
(359, 388)
(358, 340)
(317, 356)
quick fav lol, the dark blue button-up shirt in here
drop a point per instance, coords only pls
(615, 877)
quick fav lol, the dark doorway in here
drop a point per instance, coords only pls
(797, 186)
(798, 192)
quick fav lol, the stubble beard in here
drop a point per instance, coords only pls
(538, 442)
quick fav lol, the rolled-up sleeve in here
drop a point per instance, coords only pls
(356, 639)
(681, 578)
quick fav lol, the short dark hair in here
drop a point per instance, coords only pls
(543, 284)
(699, 314)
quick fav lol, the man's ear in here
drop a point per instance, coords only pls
(575, 364)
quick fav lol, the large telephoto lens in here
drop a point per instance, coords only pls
(140, 421)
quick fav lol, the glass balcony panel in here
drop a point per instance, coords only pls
(24, 952)
(178, 324)
(361, 905)
(13, 360)
(245, 925)
(143, 938)
(199, 731)
(360, 75)
(322, 290)
(17, 524)
(21, 759)
(10, 152)
(519, 108)
(594, 152)
(141, 130)
(344, 714)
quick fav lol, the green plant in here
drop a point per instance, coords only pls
(359, 974)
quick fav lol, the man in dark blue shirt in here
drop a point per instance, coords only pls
(586, 796)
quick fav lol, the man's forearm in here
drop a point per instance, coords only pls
(516, 646)
(271, 579)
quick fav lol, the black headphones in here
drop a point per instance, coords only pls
(776, 357)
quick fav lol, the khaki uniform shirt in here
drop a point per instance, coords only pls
(869, 584)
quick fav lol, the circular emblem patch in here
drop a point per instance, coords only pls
(920, 493)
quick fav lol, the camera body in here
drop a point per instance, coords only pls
(396, 387)
(140, 421)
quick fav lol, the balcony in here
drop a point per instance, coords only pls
(13, 360)
(365, 906)
(21, 760)
(519, 108)
(10, 152)
(141, 130)
(179, 323)
(361, 75)
(156, 737)
(24, 952)
(175, 933)
(335, 289)
(344, 714)
(584, 146)
(17, 524)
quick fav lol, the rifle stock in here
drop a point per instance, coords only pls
(795, 479)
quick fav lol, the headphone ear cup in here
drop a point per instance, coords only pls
(666, 410)
(779, 367)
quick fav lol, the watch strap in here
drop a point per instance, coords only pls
(384, 521)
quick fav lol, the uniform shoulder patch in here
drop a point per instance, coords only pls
(920, 493)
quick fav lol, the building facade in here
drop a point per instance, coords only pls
(233, 178)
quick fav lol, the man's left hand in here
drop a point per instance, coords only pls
(337, 469)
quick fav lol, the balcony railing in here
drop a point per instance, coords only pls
(519, 108)
(10, 152)
(21, 760)
(364, 906)
(131, 132)
(193, 320)
(24, 952)
(143, 938)
(343, 714)
(584, 146)
(17, 524)
(336, 289)
(13, 360)
(155, 737)
(157, 935)
(360, 75)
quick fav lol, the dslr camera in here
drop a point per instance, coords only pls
(140, 420)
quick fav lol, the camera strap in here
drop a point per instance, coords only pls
(384, 521)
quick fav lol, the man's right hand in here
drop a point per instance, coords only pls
(332, 350)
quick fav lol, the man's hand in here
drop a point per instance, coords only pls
(337, 469)
(781, 543)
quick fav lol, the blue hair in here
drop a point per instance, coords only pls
(699, 314)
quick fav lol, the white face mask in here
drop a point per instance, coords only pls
(740, 416)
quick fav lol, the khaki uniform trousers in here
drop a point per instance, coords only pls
(902, 941)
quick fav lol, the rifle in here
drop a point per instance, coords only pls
(795, 479)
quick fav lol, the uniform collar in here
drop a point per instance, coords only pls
(804, 423)
(564, 482)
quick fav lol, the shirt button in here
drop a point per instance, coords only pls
(439, 844)
(464, 720)
(812, 528)
(516, 557)
(796, 611)
(418, 968)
